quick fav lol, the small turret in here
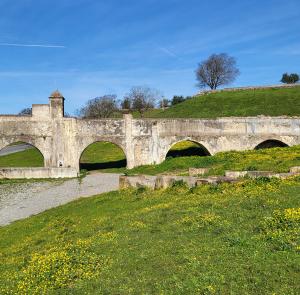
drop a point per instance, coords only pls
(57, 102)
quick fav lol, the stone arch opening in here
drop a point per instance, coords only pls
(270, 143)
(21, 154)
(102, 155)
(187, 148)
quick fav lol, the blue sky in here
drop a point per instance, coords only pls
(90, 48)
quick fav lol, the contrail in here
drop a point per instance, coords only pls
(167, 51)
(32, 45)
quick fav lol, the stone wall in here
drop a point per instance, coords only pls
(27, 173)
(144, 141)
(164, 181)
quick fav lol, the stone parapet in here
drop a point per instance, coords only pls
(37, 173)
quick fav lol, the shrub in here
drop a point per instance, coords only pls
(177, 99)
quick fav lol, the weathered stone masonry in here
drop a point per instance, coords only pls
(62, 140)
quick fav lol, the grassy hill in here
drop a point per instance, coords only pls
(228, 239)
(28, 158)
(269, 102)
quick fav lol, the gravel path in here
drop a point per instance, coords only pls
(20, 200)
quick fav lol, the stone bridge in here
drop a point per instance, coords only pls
(62, 140)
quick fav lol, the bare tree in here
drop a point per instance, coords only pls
(26, 111)
(164, 103)
(217, 70)
(143, 98)
(99, 107)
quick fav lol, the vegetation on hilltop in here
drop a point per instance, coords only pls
(290, 78)
(232, 238)
(268, 102)
(276, 101)
(217, 70)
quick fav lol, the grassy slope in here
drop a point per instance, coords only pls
(102, 155)
(271, 102)
(229, 239)
(27, 158)
(274, 159)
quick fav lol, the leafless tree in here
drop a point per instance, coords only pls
(164, 103)
(143, 98)
(217, 70)
(99, 107)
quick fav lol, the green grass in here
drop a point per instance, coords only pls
(28, 158)
(228, 239)
(102, 155)
(99, 155)
(273, 159)
(269, 102)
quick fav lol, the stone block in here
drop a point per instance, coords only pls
(256, 174)
(137, 181)
(295, 169)
(283, 175)
(236, 174)
(198, 171)
(164, 181)
(123, 182)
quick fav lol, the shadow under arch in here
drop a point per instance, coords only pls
(187, 148)
(21, 154)
(101, 155)
(270, 143)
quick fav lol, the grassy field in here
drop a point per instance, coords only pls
(271, 102)
(28, 158)
(102, 155)
(228, 239)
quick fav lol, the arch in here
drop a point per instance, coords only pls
(196, 149)
(270, 143)
(102, 154)
(21, 154)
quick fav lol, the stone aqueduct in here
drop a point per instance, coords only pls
(62, 140)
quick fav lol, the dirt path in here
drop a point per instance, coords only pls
(18, 201)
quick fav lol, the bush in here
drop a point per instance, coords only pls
(177, 99)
